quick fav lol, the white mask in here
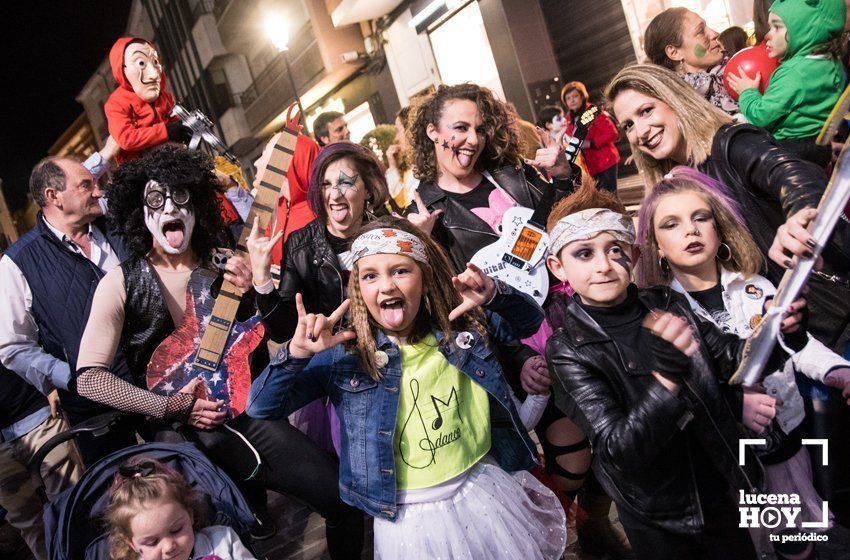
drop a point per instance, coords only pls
(171, 224)
(557, 123)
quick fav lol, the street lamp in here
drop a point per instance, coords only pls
(278, 33)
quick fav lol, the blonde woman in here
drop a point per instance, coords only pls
(667, 124)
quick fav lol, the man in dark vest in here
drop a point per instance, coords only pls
(47, 280)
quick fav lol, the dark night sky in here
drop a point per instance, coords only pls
(50, 49)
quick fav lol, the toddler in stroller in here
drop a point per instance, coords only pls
(153, 500)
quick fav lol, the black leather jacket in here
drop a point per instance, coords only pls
(461, 233)
(310, 267)
(771, 184)
(642, 435)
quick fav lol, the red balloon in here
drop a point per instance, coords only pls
(750, 60)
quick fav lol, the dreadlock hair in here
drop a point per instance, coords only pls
(131, 494)
(698, 120)
(174, 166)
(585, 197)
(501, 144)
(439, 298)
(745, 257)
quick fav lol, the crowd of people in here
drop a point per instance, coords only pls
(372, 369)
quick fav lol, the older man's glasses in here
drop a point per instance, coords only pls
(155, 199)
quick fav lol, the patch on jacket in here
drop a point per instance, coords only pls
(753, 292)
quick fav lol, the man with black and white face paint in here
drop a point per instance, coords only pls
(169, 216)
(140, 303)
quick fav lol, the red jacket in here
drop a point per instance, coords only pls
(599, 152)
(293, 212)
(134, 124)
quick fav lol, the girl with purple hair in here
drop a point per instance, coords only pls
(694, 239)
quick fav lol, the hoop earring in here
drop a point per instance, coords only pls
(728, 256)
(664, 266)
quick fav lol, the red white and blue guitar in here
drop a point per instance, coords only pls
(518, 257)
(210, 342)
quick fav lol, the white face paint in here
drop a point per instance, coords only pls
(171, 224)
(557, 123)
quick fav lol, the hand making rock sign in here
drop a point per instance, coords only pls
(314, 332)
(551, 157)
(475, 289)
(422, 218)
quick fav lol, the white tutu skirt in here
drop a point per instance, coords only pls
(493, 515)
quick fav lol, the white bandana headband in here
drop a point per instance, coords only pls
(388, 241)
(589, 223)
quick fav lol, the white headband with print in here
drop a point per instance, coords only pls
(388, 241)
(589, 223)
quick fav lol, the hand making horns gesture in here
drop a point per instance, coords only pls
(314, 332)
(552, 157)
(475, 289)
(260, 250)
(422, 218)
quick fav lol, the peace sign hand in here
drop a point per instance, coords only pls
(423, 219)
(314, 332)
(552, 157)
(475, 289)
(260, 250)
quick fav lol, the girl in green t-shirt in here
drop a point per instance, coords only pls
(432, 442)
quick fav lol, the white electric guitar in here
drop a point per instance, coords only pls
(518, 257)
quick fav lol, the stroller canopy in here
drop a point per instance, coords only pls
(73, 525)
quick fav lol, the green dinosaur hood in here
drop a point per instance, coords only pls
(810, 23)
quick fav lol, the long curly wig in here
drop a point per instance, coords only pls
(439, 298)
(174, 166)
(502, 144)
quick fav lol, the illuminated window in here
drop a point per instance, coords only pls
(360, 121)
(718, 14)
(462, 51)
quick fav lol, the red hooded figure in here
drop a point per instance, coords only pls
(293, 212)
(137, 112)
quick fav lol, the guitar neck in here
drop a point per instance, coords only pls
(227, 303)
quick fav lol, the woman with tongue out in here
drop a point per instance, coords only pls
(347, 188)
(467, 158)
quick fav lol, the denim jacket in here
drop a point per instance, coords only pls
(367, 408)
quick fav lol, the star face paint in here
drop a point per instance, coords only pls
(171, 224)
(143, 70)
(700, 50)
(459, 138)
(344, 195)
